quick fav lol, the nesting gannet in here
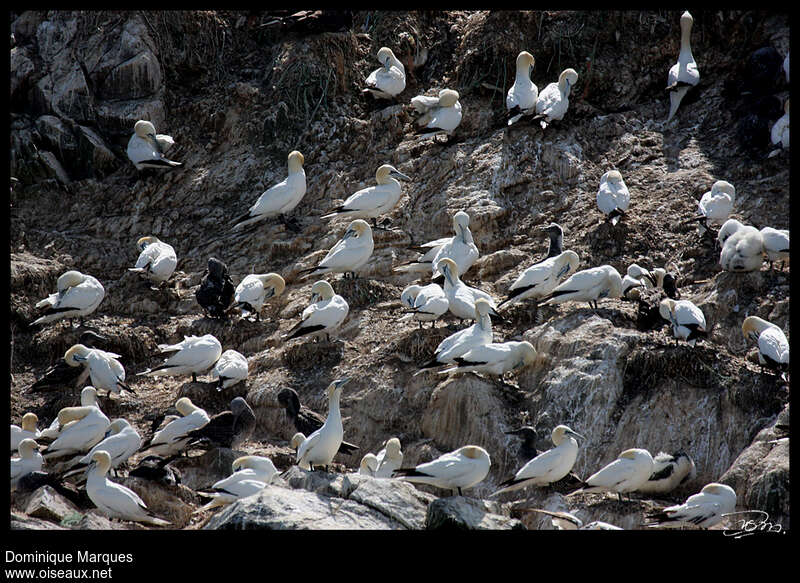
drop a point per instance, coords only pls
(26, 431)
(319, 448)
(193, 355)
(775, 245)
(521, 97)
(613, 197)
(440, 115)
(495, 359)
(547, 467)
(115, 500)
(81, 428)
(527, 449)
(567, 521)
(227, 429)
(373, 201)
(305, 420)
(743, 250)
(553, 101)
(146, 148)
(727, 229)
(29, 460)
(388, 81)
(281, 198)
(157, 469)
(348, 255)
(175, 436)
(704, 509)
(389, 458)
(716, 205)
(251, 474)
(688, 321)
(460, 248)
(669, 472)
(62, 374)
(460, 296)
(542, 278)
(78, 295)
(368, 465)
(105, 370)
(324, 316)
(216, 290)
(461, 342)
(626, 474)
(255, 289)
(157, 259)
(588, 285)
(88, 399)
(683, 74)
(773, 347)
(426, 303)
(462, 468)
(230, 369)
(121, 441)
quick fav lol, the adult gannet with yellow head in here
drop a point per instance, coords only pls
(78, 295)
(325, 314)
(460, 248)
(704, 509)
(174, 437)
(146, 148)
(588, 285)
(388, 81)
(389, 458)
(626, 474)
(255, 289)
(494, 359)
(373, 201)
(157, 259)
(459, 469)
(688, 321)
(349, 254)
(193, 355)
(281, 198)
(613, 196)
(80, 429)
(553, 102)
(121, 441)
(105, 370)
(460, 296)
(27, 430)
(773, 347)
(521, 97)
(684, 74)
(542, 278)
(426, 303)
(461, 342)
(251, 474)
(440, 115)
(319, 448)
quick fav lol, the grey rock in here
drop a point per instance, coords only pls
(22, 69)
(396, 499)
(460, 513)
(52, 167)
(22, 522)
(172, 503)
(201, 471)
(96, 156)
(137, 77)
(47, 504)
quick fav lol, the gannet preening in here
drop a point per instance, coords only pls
(775, 245)
(773, 347)
(324, 316)
(426, 303)
(121, 441)
(547, 467)
(458, 344)
(460, 296)
(78, 295)
(716, 205)
(348, 255)
(553, 101)
(251, 474)
(388, 81)
(319, 448)
(780, 131)
(460, 248)
(567, 521)
(704, 509)
(305, 420)
(368, 465)
(688, 321)
(230, 369)
(440, 115)
(294, 443)
(88, 399)
(669, 472)
(29, 460)
(62, 374)
(521, 98)
(373, 201)
(115, 500)
(626, 474)
(613, 197)
(255, 289)
(743, 250)
(588, 285)
(457, 470)
(281, 198)
(193, 355)
(157, 259)
(26, 431)
(146, 148)
(389, 458)
(227, 429)
(683, 74)
(542, 278)
(81, 428)
(494, 359)
(174, 437)
(727, 229)
(105, 370)
(216, 290)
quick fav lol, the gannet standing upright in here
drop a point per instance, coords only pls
(613, 197)
(349, 254)
(281, 198)
(460, 248)
(462, 468)
(389, 458)
(325, 314)
(684, 74)
(388, 81)
(588, 285)
(773, 347)
(105, 370)
(521, 97)
(688, 321)
(461, 342)
(553, 101)
(775, 245)
(542, 278)
(373, 201)
(157, 259)
(146, 148)
(320, 447)
(704, 509)
(78, 295)
(460, 296)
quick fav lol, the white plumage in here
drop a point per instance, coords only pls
(174, 436)
(494, 359)
(460, 248)
(704, 509)
(669, 472)
(281, 198)
(613, 197)
(81, 428)
(460, 296)
(773, 347)
(319, 448)
(542, 278)
(521, 97)
(440, 114)
(389, 458)
(683, 74)
(78, 295)
(743, 250)
(88, 399)
(427, 302)
(251, 474)
(727, 229)
(230, 369)
(775, 244)
(688, 321)
(29, 460)
(459, 469)
(567, 521)
(716, 205)
(193, 355)
(255, 289)
(588, 285)
(461, 342)
(389, 80)
(349, 254)
(121, 441)
(368, 465)
(780, 130)
(105, 370)
(27, 430)
(624, 475)
(146, 148)
(373, 201)
(157, 259)
(553, 102)
(325, 314)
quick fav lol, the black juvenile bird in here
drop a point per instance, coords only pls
(216, 290)
(62, 374)
(227, 429)
(305, 420)
(155, 468)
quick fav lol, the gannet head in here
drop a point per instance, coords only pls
(482, 307)
(561, 432)
(321, 290)
(143, 242)
(358, 228)
(336, 387)
(273, 283)
(296, 161)
(369, 462)
(525, 62)
(718, 489)
(461, 225)
(69, 279)
(683, 460)
(567, 262)
(88, 397)
(89, 337)
(29, 421)
(727, 229)
(116, 426)
(386, 56)
(658, 274)
(297, 439)
(216, 268)
(753, 326)
(26, 448)
(76, 355)
(665, 308)
(185, 406)
(614, 177)
(102, 460)
(68, 414)
(615, 282)
(635, 454)
(384, 172)
(567, 79)
(448, 97)
(554, 228)
(392, 447)
(449, 269)
(474, 452)
(144, 128)
(686, 20)
(721, 186)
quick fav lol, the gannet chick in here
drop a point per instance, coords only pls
(547, 467)
(527, 449)
(146, 148)
(319, 448)
(775, 245)
(78, 295)
(426, 303)
(521, 98)
(461, 342)
(230, 369)
(588, 285)
(26, 431)
(324, 316)
(115, 500)
(251, 474)
(281, 198)
(440, 115)
(226, 429)
(704, 509)
(216, 290)
(688, 321)
(121, 441)
(193, 355)
(348, 255)
(157, 259)
(62, 374)
(773, 347)
(373, 201)
(683, 74)
(457, 470)
(389, 458)
(105, 370)
(157, 469)
(613, 197)
(388, 81)
(460, 296)
(780, 131)
(669, 472)
(494, 359)
(255, 289)
(626, 474)
(81, 428)
(553, 101)
(305, 420)
(567, 521)
(368, 465)
(743, 251)
(30, 460)
(542, 278)
(173, 438)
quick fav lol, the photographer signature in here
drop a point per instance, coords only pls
(752, 525)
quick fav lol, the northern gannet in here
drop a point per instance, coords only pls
(255, 289)
(227, 429)
(88, 399)
(440, 115)
(193, 355)
(555, 244)
(230, 369)
(174, 437)
(688, 321)
(426, 303)
(704, 509)
(373, 201)
(146, 148)
(216, 290)
(460, 296)
(775, 245)
(62, 374)
(348, 255)
(388, 81)
(26, 430)
(121, 441)
(613, 197)
(683, 74)
(78, 295)
(588, 285)
(727, 229)
(521, 97)
(368, 465)
(716, 205)
(157, 259)
(80, 429)
(389, 458)
(281, 198)
(461, 342)
(669, 472)
(319, 448)
(460, 248)
(251, 474)
(779, 134)
(29, 460)
(324, 316)
(541, 279)
(157, 469)
(459, 469)
(105, 370)
(553, 102)
(773, 347)
(567, 521)
(305, 420)
(626, 474)
(494, 359)
(743, 250)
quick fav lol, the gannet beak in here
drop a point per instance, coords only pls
(315, 298)
(79, 358)
(446, 271)
(564, 270)
(341, 382)
(572, 433)
(463, 234)
(492, 312)
(399, 174)
(270, 293)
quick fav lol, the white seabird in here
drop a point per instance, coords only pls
(459, 469)
(157, 259)
(193, 355)
(521, 97)
(29, 460)
(78, 295)
(613, 197)
(684, 74)
(547, 467)
(105, 370)
(704, 509)
(494, 359)
(373, 201)
(295, 442)
(460, 248)
(175, 435)
(389, 458)
(230, 369)
(368, 465)
(553, 101)
(626, 474)
(588, 285)
(460, 296)
(567, 521)
(88, 399)
(121, 441)
(281, 198)
(773, 347)
(81, 428)
(115, 500)
(348, 255)
(688, 321)
(716, 205)
(251, 474)
(775, 245)
(743, 250)
(669, 472)
(780, 130)
(426, 303)
(320, 447)
(461, 342)
(325, 314)
(27, 430)
(146, 148)
(542, 278)
(255, 289)
(440, 115)
(388, 81)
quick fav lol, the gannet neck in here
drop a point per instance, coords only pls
(296, 161)
(686, 34)
(334, 414)
(29, 421)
